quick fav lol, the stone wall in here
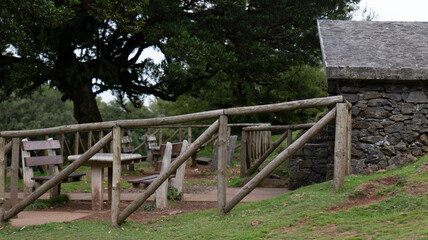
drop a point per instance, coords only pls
(313, 163)
(389, 121)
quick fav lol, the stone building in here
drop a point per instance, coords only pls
(382, 69)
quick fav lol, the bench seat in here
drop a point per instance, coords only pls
(145, 181)
(74, 177)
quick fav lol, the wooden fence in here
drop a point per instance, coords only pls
(341, 112)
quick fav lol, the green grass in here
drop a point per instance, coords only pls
(300, 214)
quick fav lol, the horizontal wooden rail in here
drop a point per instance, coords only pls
(279, 127)
(140, 123)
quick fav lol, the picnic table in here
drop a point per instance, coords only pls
(97, 163)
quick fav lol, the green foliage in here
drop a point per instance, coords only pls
(60, 200)
(224, 53)
(173, 194)
(41, 109)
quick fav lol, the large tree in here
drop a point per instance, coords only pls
(84, 47)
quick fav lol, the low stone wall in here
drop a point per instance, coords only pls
(389, 121)
(313, 163)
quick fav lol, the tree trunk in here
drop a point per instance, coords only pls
(85, 104)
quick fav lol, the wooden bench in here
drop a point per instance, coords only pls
(52, 160)
(145, 181)
(176, 149)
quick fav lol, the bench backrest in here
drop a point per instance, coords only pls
(28, 161)
(50, 145)
(176, 149)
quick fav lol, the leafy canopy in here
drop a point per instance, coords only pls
(228, 53)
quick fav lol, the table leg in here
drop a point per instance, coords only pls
(110, 178)
(97, 175)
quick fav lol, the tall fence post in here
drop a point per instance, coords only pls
(340, 146)
(189, 135)
(2, 178)
(115, 198)
(243, 154)
(76, 143)
(222, 164)
(14, 172)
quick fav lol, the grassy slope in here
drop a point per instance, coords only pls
(300, 214)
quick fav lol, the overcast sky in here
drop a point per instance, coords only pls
(385, 10)
(398, 10)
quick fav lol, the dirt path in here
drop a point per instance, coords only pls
(80, 210)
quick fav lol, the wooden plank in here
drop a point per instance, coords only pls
(340, 146)
(288, 152)
(243, 155)
(177, 182)
(100, 136)
(40, 145)
(222, 164)
(43, 160)
(155, 184)
(76, 143)
(266, 154)
(189, 135)
(231, 148)
(160, 136)
(349, 142)
(289, 142)
(265, 127)
(115, 186)
(162, 191)
(58, 178)
(27, 172)
(2, 179)
(53, 171)
(14, 172)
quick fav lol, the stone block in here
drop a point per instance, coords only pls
(352, 98)
(372, 95)
(393, 96)
(396, 127)
(395, 88)
(371, 139)
(378, 102)
(417, 97)
(373, 112)
(406, 108)
(399, 117)
(360, 124)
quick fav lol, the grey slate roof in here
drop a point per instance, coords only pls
(374, 50)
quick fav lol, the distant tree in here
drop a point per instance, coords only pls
(41, 109)
(84, 47)
(301, 82)
(114, 111)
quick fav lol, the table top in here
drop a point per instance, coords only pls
(106, 159)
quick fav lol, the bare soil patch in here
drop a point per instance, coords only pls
(368, 193)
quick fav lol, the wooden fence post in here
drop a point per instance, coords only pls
(14, 172)
(222, 164)
(189, 135)
(231, 148)
(243, 154)
(349, 146)
(162, 191)
(340, 146)
(76, 143)
(2, 178)
(177, 182)
(160, 136)
(115, 186)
